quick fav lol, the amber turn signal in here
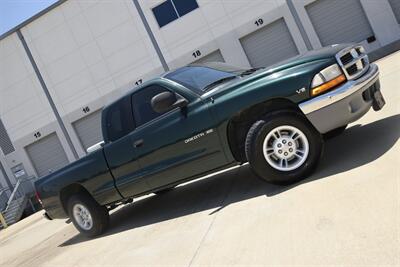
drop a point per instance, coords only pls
(328, 85)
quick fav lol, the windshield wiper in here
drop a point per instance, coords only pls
(249, 71)
(217, 82)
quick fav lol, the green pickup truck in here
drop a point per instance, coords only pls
(203, 118)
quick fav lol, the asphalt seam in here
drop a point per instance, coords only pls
(214, 218)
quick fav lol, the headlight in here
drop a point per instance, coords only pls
(327, 79)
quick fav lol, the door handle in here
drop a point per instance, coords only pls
(138, 143)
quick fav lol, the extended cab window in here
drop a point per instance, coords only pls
(141, 104)
(119, 119)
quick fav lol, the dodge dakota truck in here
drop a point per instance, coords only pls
(199, 119)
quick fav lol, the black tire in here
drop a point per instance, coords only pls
(99, 214)
(335, 132)
(254, 147)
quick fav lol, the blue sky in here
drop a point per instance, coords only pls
(13, 12)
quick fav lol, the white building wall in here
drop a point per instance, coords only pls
(86, 50)
(216, 25)
(89, 53)
(23, 106)
(382, 20)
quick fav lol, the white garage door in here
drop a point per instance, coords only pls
(88, 129)
(47, 155)
(395, 4)
(269, 45)
(338, 21)
(215, 56)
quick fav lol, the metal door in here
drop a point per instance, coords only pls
(338, 21)
(215, 56)
(270, 44)
(47, 155)
(88, 129)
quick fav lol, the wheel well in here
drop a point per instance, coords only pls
(240, 124)
(69, 191)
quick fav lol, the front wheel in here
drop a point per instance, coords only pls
(283, 147)
(87, 215)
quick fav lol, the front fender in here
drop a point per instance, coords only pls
(290, 84)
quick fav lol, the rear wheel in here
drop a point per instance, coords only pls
(87, 215)
(283, 147)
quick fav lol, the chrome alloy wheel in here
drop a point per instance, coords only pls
(285, 148)
(82, 216)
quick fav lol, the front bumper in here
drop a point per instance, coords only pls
(344, 105)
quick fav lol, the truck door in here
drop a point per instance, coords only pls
(174, 146)
(119, 152)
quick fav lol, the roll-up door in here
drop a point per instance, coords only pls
(215, 56)
(395, 4)
(47, 155)
(88, 129)
(269, 45)
(338, 21)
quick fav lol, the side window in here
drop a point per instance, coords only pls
(119, 119)
(141, 104)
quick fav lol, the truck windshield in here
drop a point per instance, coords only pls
(200, 78)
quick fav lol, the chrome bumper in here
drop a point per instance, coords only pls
(343, 105)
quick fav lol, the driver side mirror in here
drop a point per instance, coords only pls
(167, 101)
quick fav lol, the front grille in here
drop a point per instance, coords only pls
(347, 58)
(353, 61)
(352, 70)
(358, 49)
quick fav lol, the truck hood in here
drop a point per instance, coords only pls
(324, 53)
